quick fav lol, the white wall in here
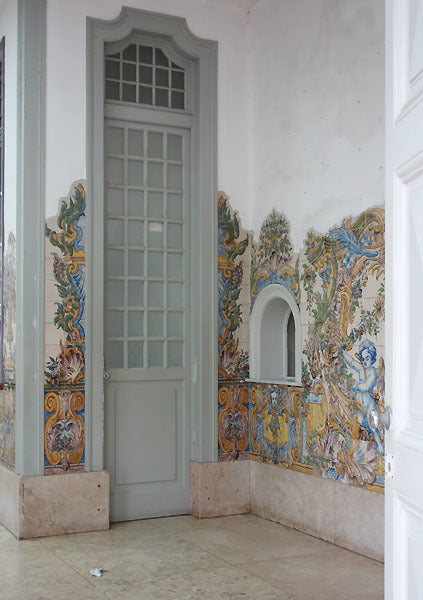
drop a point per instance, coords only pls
(9, 30)
(317, 111)
(66, 102)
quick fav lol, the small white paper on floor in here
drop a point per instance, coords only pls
(97, 572)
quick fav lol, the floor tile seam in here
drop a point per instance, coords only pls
(277, 558)
(80, 577)
(259, 578)
(316, 537)
(284, 586)
(161, 579)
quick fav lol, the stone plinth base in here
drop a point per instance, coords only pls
(32, 507)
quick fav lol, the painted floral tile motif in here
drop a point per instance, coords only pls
(343, 369)
(9, 301)
(234, 421)
(233, 362)
(64, 389)
(7, 427)
(322, 428)
(7, 395)
(272, 259)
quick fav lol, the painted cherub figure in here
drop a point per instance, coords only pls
(367, 378)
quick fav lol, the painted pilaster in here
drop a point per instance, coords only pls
(30, 237)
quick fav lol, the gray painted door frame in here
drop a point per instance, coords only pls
(203, 54)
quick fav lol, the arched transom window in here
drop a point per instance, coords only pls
(146, 75)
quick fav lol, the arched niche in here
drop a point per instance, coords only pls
(275, 337)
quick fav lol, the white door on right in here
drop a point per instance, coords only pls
(404, 204)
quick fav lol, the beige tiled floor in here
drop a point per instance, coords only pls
(182, 558)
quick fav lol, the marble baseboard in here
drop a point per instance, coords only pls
(347, 516)
(294, 499)
(32, 507)
(219, 488)
(10, 491)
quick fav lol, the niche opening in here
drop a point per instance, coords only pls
(275, 337)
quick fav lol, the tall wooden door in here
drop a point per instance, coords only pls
(404, 441)
(147, 284)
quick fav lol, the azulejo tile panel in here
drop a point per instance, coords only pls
(233, 362)
(7, 395)
(322, 427)
(64, 389)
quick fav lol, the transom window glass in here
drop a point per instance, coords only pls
(145, 75)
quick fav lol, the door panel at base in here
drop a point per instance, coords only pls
(146, 451)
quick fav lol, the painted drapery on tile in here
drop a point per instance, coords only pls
(321, 427)
(7, 395)
(64, 388)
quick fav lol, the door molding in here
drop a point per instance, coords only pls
(203, 55)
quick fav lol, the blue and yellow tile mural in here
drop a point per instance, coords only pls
(64, 389)
(321, 427)
(7, 394)
(233, 362)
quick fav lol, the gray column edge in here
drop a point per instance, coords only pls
(30, 201)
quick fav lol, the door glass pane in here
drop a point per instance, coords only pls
(174, 354)
(155, 354)
(155, 205)
(174, 324)
(155, 175)
(159, 241)
(135, 263)
(135, 142)
(174, 266)
(115, 140)
(155, 235)
(135, 323)
(174, 206)
(135, 354)
(135, 233)
(174, 236)
(174, 147)
(114, 323)
(155, 324)
(174, 295)
(155, 145)
(115, 263)
(135, 203)
(135, 173)
(114, 288)
(115, 201)
(135, 293)
(155, 264)
(115, 171)
(155, 294)
(174, 177)
(115, 232)
(114, 355)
